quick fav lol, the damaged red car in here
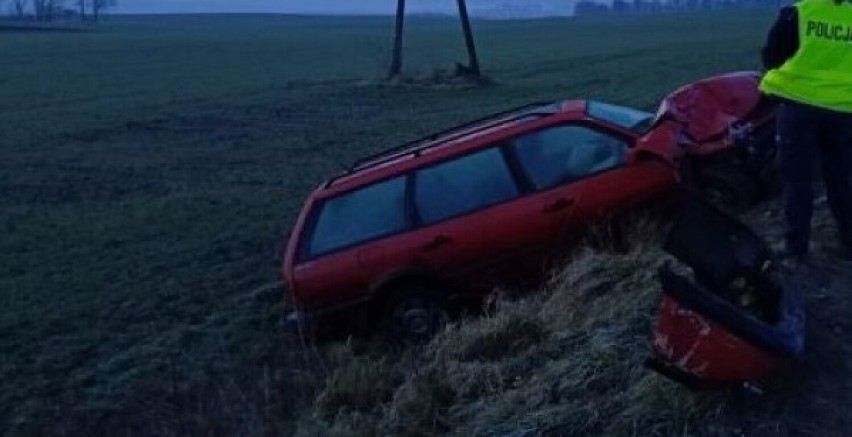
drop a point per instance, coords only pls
(405, 238)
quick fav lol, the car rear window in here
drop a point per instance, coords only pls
(463, 185)
(359, 216)
(629, 118)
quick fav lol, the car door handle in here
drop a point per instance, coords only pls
(437, 242)
(557, 205)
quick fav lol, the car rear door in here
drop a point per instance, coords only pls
(453, 201)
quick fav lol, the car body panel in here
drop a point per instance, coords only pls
(737, 320)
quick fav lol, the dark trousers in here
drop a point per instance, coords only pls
(805, 132)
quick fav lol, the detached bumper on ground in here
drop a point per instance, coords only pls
(727, 317)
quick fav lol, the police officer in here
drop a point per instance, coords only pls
(809, 58)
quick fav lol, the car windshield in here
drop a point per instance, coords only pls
(633, 119)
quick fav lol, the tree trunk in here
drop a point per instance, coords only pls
(396, 57)
(468, 39)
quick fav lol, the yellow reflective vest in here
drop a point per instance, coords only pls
(820, 73)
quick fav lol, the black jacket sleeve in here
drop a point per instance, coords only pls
(783, 40)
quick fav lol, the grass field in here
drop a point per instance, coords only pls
(149, 171)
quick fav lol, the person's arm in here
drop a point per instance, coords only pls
(783, 41)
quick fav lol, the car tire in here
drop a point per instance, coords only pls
(414, 314)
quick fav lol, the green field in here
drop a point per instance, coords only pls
(150, 170)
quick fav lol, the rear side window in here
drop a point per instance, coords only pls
(563, 154)
(359, 216)
(463, 185)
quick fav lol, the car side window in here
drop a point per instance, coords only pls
(463, 185)
(564, 154)
(365, 214)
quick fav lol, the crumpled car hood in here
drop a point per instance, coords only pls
(707, 110)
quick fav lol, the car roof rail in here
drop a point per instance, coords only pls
(424, 143)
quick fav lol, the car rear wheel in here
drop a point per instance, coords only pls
(414, 314)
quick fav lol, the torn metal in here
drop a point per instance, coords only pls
(727, 315)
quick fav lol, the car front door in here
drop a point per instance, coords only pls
(588, 164)
(572, 174)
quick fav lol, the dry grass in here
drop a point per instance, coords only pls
(564, 361)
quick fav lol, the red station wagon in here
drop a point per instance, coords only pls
(405, 237)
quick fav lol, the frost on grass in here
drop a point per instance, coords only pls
(566, 360)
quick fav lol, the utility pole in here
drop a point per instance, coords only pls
(468, 39)
(396, 60)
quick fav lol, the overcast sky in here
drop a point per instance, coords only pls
(286, 6)
(308, 6)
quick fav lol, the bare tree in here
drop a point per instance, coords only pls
(98, 6)
(473, 63)
(38, 9)
(47, 10)
(81, 5)
(20, 8)
(53, 9)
